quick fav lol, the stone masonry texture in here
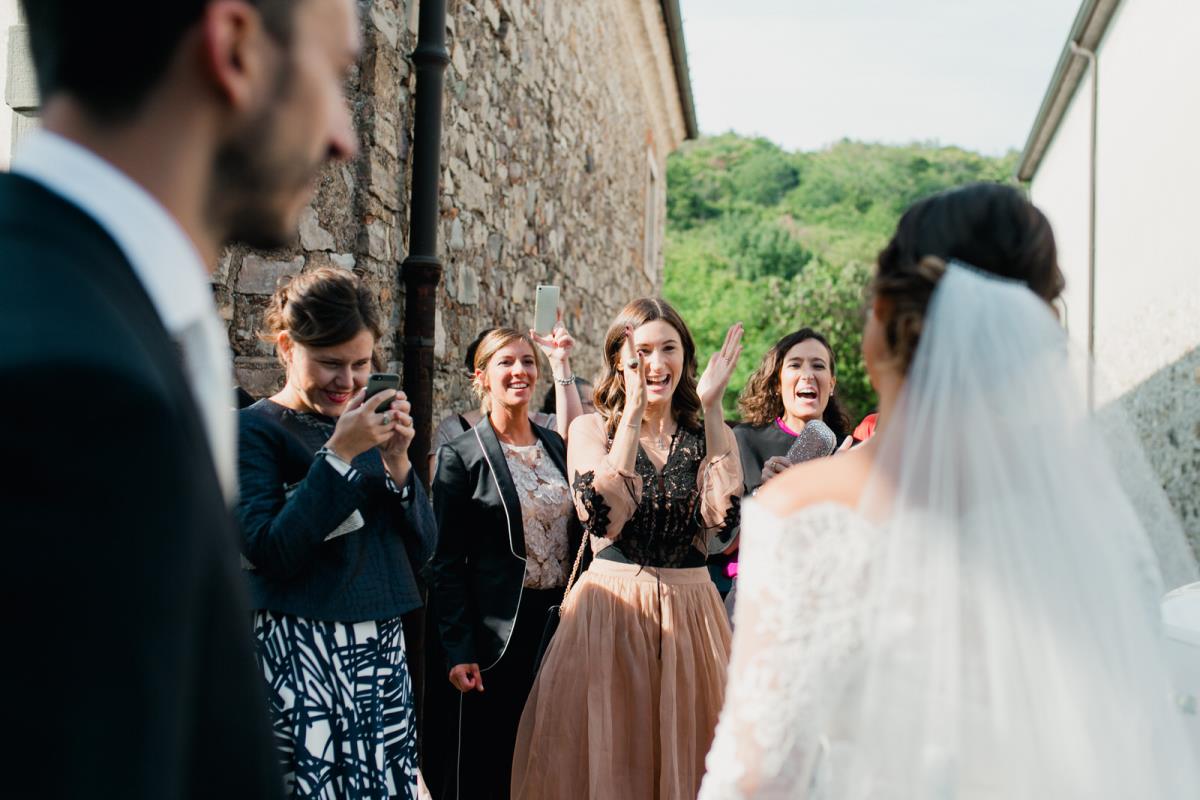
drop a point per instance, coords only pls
(553, 143)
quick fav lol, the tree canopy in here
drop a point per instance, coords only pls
(780, 240)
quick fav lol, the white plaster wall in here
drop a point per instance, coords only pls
(1148, 259)
(8, 17)
(1060, 190)
(1148, 192)
(1147, 319)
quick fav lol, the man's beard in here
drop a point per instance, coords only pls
(255, 184)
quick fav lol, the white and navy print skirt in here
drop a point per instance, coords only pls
(341, 704)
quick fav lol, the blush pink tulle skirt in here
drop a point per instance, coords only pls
(628, 696)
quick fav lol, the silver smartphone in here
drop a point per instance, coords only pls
(380, 381)
(545, 309)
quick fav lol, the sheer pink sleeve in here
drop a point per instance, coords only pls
(605, 497)
(720, 484)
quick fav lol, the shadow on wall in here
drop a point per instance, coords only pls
(1165, 413)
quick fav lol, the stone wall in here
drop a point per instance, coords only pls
(359, 217)
(1164, 410)
(558, 118)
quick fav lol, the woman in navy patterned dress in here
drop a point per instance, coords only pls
(334, 525)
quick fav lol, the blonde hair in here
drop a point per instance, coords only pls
(495, 341)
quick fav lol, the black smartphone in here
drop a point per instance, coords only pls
(380, 381)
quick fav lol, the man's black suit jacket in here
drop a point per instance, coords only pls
(128, 670)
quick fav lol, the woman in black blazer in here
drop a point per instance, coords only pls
(508, 540)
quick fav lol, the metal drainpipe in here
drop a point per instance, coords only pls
(1090, 55)
(422, 269)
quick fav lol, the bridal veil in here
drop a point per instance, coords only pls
(1012, 645)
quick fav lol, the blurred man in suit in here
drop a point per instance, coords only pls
(169, 130)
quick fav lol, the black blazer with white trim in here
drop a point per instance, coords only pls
(477, 574)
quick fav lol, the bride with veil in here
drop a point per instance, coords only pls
(967, 605)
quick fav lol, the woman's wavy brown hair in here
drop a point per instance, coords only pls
(989, 226)
(761, 402)
(610, 391)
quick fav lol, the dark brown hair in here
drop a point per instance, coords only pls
(610, 392)
(322, 308)
(989, 226)
(110, 56)
(550, 401)
(761, 402)
(469, 355)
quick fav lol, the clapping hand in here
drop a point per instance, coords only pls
(720, 369)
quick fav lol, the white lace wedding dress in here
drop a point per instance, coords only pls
(797, 631)
(985, 623)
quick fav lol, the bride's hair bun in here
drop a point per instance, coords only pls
(989, 226)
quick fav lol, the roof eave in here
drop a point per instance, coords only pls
(679, 58)
(1087, 32)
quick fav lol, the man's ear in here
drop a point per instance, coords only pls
(236, 51)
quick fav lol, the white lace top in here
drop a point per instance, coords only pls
(796, 630)
(546, 509)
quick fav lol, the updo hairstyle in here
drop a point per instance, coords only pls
(493, 342)
(322, 308)
(988, 226)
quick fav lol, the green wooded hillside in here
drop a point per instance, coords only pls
(781, 240)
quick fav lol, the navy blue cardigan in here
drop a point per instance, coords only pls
(291, 502)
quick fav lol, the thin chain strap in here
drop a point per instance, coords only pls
(575, 569)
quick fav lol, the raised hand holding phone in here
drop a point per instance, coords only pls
(395, 449)
(557, 345)
(367, 421)
(545, 309)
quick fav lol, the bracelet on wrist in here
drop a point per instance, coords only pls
(326, 450)
(327, 453)
(565, 381)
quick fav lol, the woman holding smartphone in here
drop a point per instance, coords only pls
(333, 524)
(508, 540)
(627, 698)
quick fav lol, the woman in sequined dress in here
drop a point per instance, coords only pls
(628, 695)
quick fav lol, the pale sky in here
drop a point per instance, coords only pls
(805, 73)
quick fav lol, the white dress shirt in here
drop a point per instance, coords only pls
(167, 264)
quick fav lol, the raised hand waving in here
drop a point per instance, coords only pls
(715, 379)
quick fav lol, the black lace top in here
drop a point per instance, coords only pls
(667, 524)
